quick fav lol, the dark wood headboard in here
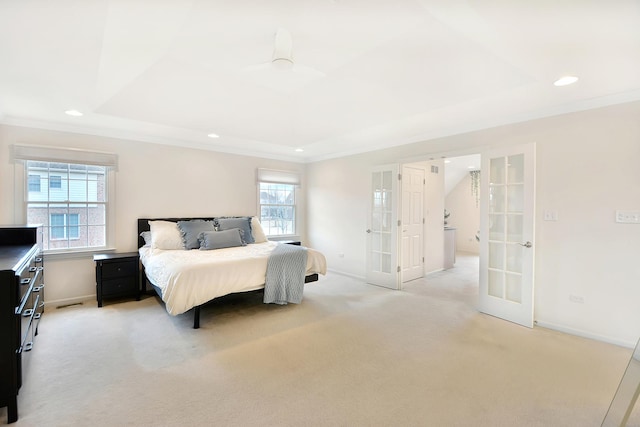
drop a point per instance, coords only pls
(143, 225)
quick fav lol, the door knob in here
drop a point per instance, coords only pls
(368, 230)
(526, 244)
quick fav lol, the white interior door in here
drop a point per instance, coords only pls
(412, 224)
(507, 233)
(382, 228)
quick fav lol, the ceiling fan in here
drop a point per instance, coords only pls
(282, 65)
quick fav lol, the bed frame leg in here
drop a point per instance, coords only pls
(196, 317)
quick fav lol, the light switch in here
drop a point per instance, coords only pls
(628, 217)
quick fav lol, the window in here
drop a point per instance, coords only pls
(64, 226)
(277, 208)
(55, 181)
(72, 206)
(34, 183)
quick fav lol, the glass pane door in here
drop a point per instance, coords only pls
(506, 208)
(507, 229)
(381, 211)
(382, 230)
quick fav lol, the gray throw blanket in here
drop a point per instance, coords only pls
(286, 267)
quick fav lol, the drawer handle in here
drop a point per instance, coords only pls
(38, 288)
(25, 281)
(28, 312)
(28, 346)
(37, 316)
(39, 259)
(32, 269)
(40, 268)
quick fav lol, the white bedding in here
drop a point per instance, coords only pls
(188, 278)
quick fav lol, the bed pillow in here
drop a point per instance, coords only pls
(190, 230)
(221, 239)
(243, 223)
(165, 235)
(256, 231)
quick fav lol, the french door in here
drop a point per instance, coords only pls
(507, 233)
(382, 228)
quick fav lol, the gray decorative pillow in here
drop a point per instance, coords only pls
(146, 235)
(243, 223)
(190, 230)
(221, 239)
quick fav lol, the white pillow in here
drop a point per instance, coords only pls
(257, 231)
(165, 235)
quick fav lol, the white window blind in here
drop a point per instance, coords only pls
(278, 177)
(64, 155)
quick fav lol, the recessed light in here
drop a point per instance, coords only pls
(74, 113)
(447, 161)
(471, 167)
(213, 135)
(299, 150)
(565, 80)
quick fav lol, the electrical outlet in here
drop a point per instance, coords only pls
(550, 215)
(628, 217)
(340, 255)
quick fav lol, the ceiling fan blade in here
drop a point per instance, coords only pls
(283, 47)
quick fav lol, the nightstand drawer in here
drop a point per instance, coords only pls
(119, 269)
(119, 286)
(117, 275)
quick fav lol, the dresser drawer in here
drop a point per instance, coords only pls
(119, 286)
(29, 275)
(119, 269)
(28, 316)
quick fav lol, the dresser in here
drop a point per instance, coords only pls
(21, 308)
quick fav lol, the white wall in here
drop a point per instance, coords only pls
(464, 216)
(152, 181)
(587, 167)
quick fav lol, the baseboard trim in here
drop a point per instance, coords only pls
(343, 273)
(585, 334)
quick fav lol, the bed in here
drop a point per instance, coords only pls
(187, 278)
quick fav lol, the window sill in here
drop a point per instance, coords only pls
(75, 254)
(280, 237)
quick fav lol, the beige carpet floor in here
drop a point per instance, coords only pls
(350, 355)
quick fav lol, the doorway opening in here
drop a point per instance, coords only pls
(462, 212)
(449, 211)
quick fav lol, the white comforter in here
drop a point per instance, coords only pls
(188, 278)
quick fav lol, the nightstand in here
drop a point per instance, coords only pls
(117, 275)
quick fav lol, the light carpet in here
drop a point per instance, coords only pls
(351, 354)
